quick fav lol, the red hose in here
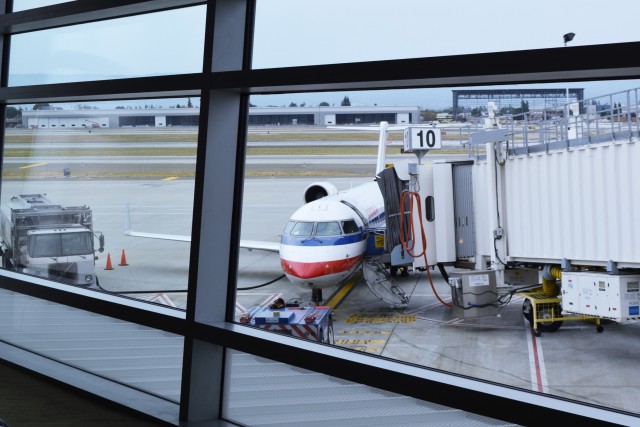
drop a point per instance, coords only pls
(408, 242)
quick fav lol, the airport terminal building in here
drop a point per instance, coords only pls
(258, 116)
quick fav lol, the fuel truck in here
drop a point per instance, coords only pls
(43, 238)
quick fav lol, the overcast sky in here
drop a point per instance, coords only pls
(306, 32)
(303, 32)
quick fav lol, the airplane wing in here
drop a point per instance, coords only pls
(246, 244)
(261, 246)
(176, 237)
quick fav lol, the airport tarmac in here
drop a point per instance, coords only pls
(575, 363)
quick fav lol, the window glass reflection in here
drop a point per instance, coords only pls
(302, 229)
(251, 390)
(328, 229)
(100, 195)
(350, 227)
(135, 46)
(141, 357)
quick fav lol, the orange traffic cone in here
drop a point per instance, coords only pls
(109, 266)
(123, 259)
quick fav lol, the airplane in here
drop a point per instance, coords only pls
(324, 242)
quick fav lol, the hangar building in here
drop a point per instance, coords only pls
(258, 116)
(331, 116)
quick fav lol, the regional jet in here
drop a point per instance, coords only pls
(325, 240)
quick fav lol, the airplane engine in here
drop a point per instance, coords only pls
(318, 190)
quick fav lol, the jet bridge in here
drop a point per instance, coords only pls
(559, 198)
(545, 204)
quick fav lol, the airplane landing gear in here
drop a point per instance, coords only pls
(316, 296)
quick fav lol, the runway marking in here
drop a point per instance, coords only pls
(32, 166)
(360, 342)
(352, 332)
(240, 309)
(367, 341)
(381, 318)
(423, 308)
(171, 178)
(162, 299)
(537, 368)
(270, 299)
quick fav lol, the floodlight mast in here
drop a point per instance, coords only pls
(567, 38)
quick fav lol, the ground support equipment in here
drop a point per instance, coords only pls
(544, 313)
(313, 323)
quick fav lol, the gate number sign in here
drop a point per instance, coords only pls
(422, 138)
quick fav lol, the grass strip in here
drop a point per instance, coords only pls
(270, 136)
(31, 174)
(185, 152)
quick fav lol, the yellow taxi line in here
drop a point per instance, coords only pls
(32, 166)
(337, 298)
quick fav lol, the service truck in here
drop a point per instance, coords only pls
(43, 238)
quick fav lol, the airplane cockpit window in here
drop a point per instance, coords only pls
(288, 227)
(350, 227)
(302, 229)
(328, 229)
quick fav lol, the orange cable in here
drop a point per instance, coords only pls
(414, 195)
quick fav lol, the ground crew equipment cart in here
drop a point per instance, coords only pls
(312, 323)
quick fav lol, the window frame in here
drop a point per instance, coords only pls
(224, 86)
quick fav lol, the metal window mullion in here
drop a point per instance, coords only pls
(181, 85)
(5, 6)
(217, 207)
(515, 67)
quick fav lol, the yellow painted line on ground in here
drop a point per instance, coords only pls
(349, 332)
(171, 178)
(32, 166)
(360, 342)
(365, 349)
(342, 292)
(393, 318)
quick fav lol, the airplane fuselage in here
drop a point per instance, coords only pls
(325, 240)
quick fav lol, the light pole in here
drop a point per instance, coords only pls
(567, 38)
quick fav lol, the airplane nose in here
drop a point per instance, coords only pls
(306, 270)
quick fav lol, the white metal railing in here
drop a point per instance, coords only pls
(614, 116)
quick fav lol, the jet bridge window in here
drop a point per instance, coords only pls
(302, 229)
(328, 229)
(350, 227)
(430, 209)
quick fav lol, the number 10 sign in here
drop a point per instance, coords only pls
(422, 138)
